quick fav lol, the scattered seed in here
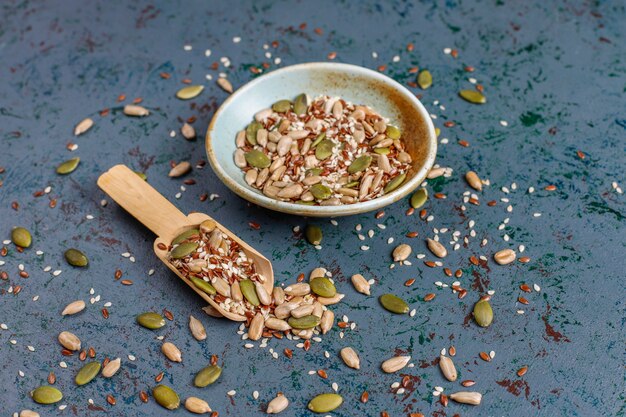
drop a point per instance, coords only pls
(76, 258)
(483, 314)
(87, 373)
(225, 84)
(394, 304)
(189, 92)
(46, 395)
(472, 398)
(325, 403)
(151, 320)
(21, 237)
(135, 111)
(395, 364)
(166, 397)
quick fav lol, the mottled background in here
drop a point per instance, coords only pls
(554, 70)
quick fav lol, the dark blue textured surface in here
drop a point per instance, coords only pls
(555, 71)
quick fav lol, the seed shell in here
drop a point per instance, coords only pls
(166, 397)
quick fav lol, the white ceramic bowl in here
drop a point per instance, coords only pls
(353, 83)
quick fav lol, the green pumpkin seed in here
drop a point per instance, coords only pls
(257, 159)
(21, 237)
(483, 314)
(394, 183)
(68, 166)
(251, 131)
(301, 104)
(473, 96)
(419, 198)
(166, 397)
(185, 235)
(360, 164)
(282, 106)
(313, 171)
(324, 149)
(151, 320)
(142, 175)
(424, 79)
(87, 373)
(320, 191)
(305, 203)
(351, 184)
(437, 131)
(394, 304)
(203, 285)
(189, 92)
(323, 287)
(393, 132)
(382, 151)
(306, 322)
(75, 257)
(318, 139)
(313, 234)
(46, 395)
(249, 292)
(325, 403)
(207, 376)
(183, 250)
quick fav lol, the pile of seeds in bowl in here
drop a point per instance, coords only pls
(217, 266)
(325, 152)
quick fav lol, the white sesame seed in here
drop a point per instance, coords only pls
(231, 393)
(334, 222)
(31, 348)
(187, 47)
(536, 287)
(371, 281)
(443, 351)
(207, 53)
(472, 80)
(131, 357)
(365, 247)
(491, 292)
(62, 407)
(390, 241)
(492, 354)
(509, 208)
(536, 214)
(400, 391)
(506, 238)
(358, 227)
(57, 273)
(3, 326)
(103, 203)
(255, 395)
(172, 133)
(447, 51)
(521, 248)
(531, 190)
(438, 389)
(47, 189)
(236, 39)
(520, 311)
(178, 195)
(335, 386)
(62, 364)
(504, 123)
(151, 272)
(436, 393)
(20, 373)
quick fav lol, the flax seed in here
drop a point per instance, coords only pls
(365, 397)
(429, 297)
(409, 282)
(485, 356)
(522, 371)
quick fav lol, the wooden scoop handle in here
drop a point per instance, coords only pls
(138, 198)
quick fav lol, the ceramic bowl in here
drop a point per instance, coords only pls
(353, 83)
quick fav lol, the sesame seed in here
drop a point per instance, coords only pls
(504, 123)
(365, 247)
(231, 393)
(131, 357)
(236, 39)
(536, 214)
(536, 287)
(187, 48)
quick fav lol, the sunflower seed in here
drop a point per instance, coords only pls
(196, 328)
(188, 131)
(360, 284)
(135, 111)
(447, 368)
(504, 257)
(467, 397)
(395, 364)
(111, 368)
(180, 169)
(189, 92)
(277, 324)
(278, 404)
(69, 341)
(299, 289)
(171, 352)
(327, 321)
(73, 308)
(401, 252)
(28, 413)
(256, 327)
(197, 405)
(437, 248)
(350, 357)
(83, 126)
(472, 179)
(225, 84)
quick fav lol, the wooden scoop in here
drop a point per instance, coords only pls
(145, 203)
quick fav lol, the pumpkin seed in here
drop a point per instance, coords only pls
(87, 373)
(21, 237)
(258, 159)
(394, 183)
(313, 172)
(317, 141)
(249, 292)
(251, 131)
(306, 322)
(46, 395)
(382, 151)
(68, 166)
(305, 203)
(166, 397)
(183, 250)
(151, 320)
(324, 149)
(207, 376)
(472, 96)
(325, 403)
(301, 104)
(393, 132)
(185, 235)
(394, 304)
(189, 92)
(419, 198)
(281, 106)
(323, 287)
(141, 175)
(483, 314)
(351, 184)
(313, 234)
(424, 79)
(203, 285)
(320, 191)
(360, 164)
(76, 258)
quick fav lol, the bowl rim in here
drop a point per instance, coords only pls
(262, 200)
